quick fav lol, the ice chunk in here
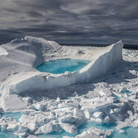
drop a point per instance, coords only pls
(122, 125)
(78, 113)
(67, 119)
(72, 120)
(41, 119)
(87, 114)
(97, 114)
(12, 127)
(22, 135)
(93, 133)
(135, 123)
(107, 119)
(22, 129)
(3, 51)
(69, 128)
(50, 127)
(121, 131)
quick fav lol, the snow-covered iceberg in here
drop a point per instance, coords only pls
(29, 52)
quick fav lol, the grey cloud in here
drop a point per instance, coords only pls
(73, 20)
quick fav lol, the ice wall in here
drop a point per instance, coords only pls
(102, 62)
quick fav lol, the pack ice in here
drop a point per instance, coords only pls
(43, 103)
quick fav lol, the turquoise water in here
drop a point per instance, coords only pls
(7, 135)
(16, 115)
(127, 92)
(62, 65)
(130, 132)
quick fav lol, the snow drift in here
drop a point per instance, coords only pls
(103, 60)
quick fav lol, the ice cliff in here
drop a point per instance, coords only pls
(29, 52)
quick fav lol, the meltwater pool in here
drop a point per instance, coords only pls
(62, 65)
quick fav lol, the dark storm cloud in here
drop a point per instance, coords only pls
(70, 21)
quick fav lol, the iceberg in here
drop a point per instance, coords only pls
(29, 52)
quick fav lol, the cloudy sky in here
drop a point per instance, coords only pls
(70, 21)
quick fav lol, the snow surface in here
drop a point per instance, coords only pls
(112, 98)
